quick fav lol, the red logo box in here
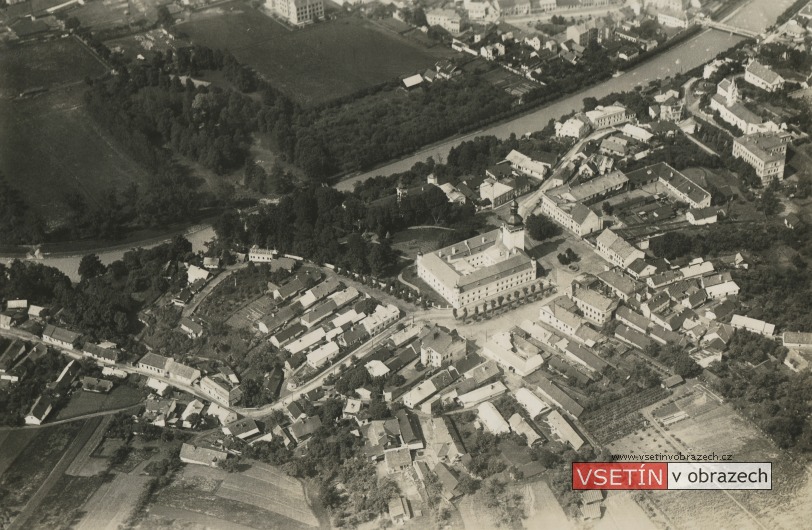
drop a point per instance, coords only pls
(619, 476)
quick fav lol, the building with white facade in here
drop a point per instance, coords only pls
(513, 353)
(448, 19)
(297, 12)
(763, 77)
(577, 126)
(617, 250)
(482, 267)
(764, 152)
(608, 116)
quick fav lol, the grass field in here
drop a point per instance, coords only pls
(89, 402)
(112, 503)
(12, 444)
(49, 147)
(32, 466)
(316, 64)
(45, 64)
(63, 505)
(260, 497)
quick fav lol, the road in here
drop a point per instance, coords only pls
(364, 350)
(198, 299)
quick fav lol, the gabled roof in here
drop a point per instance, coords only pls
(155, 361)
(763, 72)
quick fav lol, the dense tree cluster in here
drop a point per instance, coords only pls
(777, 400)
(102, 305)
(18, 223)
(18, 399)
(541, 227)
(723, 238)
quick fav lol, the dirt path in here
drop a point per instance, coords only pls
(81, 439)
(78, 467)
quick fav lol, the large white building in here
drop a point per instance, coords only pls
(766, 153)
(297, 12)
(448, 19)
(727, 103)
(482, 267)
(608, 116)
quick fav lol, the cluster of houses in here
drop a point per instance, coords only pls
(316, 324)
(763, 143)
(477, 31)
(196, 279)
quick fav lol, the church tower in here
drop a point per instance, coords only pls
(513, 229)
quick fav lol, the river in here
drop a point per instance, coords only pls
(69, 263)
(756, 15)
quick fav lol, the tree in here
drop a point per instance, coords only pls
(770, 204)
(230, 464)
(540, 227)
(607, 208)
(590, 103)
(91, 266)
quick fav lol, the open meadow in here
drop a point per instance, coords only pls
(50, 147)
(316, 64)
(260, 497)
(89, 402)
(45, 64)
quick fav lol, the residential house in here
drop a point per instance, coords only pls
(556, 397)
(753, 324)
(530, 402)
(616, 250)
(60, 337)
(577, 127)
(380, 319)
(152, 362)
(632, 337)
(204, 456)
(222, 389)
(100, 386)
(623, 287)
(180, 372)
(191, 328)
(514, 353)
(521, 427)
(305, 428)
(529, 166)
(595, 307)
(608, 116)
(702, 216)
(440, 346)
(796, 340)
(398, 460)
(564, 430)
(102, 354)
(492, 419)
(448, 19)
(242, 429)
(720, 285)
(763, 77)
(40, 410)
